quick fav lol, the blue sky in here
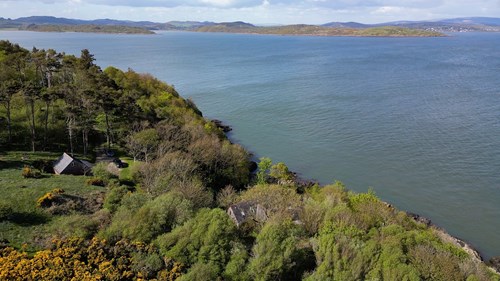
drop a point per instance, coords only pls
(254, 11)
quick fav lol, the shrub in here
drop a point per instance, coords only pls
(95, 182)
(114, 197)
(28, 173)
(227, 197)
(281, 173)
(49, 198)
(148, 221)
(264, 166)
(100, 170)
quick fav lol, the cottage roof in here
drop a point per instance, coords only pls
(66, 160)
(247, 210)
(62, 163)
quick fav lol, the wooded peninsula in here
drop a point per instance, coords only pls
(112, 175)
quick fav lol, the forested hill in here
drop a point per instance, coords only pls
(181, 202)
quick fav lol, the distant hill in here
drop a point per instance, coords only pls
(315, 30)
(49, 20)
(346, 24)
(475, 20)
(189, 25)
(234, 27)
(465, 24)
(89, 28)
(471, 24)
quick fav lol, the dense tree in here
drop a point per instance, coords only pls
(274, 249)
(207, 238)
(150, 220)
(143, 143)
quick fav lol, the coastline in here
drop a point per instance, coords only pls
(445, 236)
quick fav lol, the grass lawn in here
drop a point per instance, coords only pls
(126, 174)
(28, 221)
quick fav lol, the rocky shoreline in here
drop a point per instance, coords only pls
(493, 263)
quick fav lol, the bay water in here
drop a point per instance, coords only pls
(416, 119)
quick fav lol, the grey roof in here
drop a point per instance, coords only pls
(247, 210)
(65, 160)
(62, 163)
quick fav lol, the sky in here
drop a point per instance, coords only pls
(253, 11)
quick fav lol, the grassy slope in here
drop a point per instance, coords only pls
(27, 220)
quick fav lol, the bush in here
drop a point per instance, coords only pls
(49, 198)
(100, 170)
(28, 173)
(153, 218)
(114, 197)
(95, 182)
(227, 197)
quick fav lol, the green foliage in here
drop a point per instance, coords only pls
(143, 144)
(151, 219)
(100, 171)
(148, 264)
(207, 238)
(201, 272)
(114, 197)
(236, 267)
(263, 169)
(272, 254)
(79, 225)
(280, 172)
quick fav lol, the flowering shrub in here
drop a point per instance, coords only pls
(49, 198)
(77, 259)
(29, 173)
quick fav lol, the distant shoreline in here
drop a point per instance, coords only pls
(388, 32)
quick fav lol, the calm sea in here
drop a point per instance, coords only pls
(417, 119)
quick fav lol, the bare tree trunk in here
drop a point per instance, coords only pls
(33, 130)
(70, 122)
(46, 129)
(85, 134)
(31, 118)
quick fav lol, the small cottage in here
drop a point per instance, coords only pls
(68, 165)
(245, 211)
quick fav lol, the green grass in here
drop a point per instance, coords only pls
(126, 174)
(29, 222)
